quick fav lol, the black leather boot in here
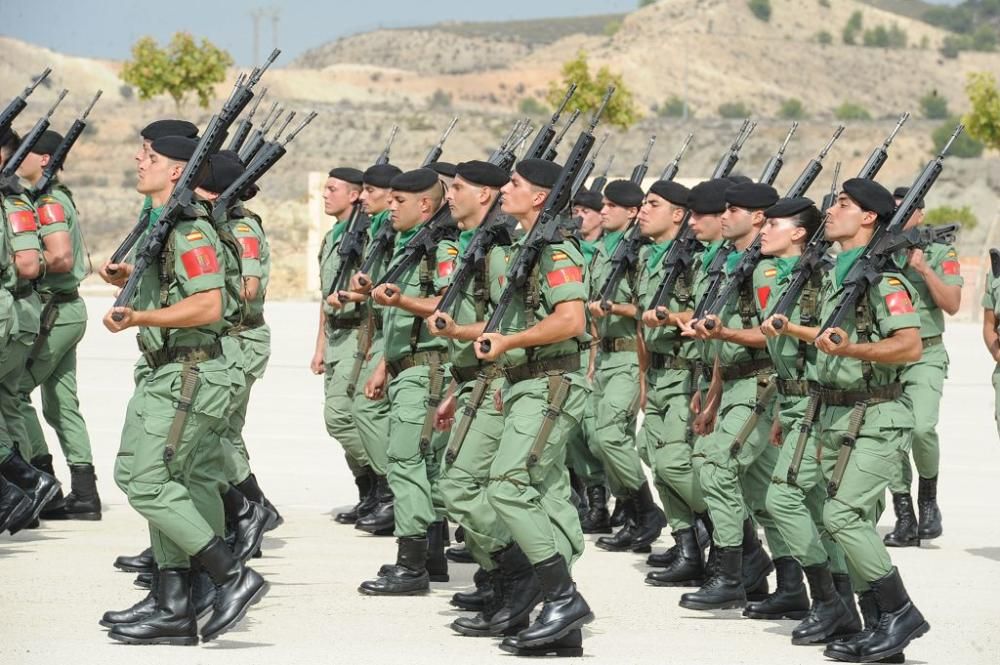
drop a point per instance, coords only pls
(687, 568)
(704, 528)
(664, 558)
(904, 533)
(237, 588)
(597, 519)
(789, 600)
(493, 598)
(202, 590)
(828, 615)
(563, 609)
(140, 563)
(724, 590)
(408, 577)
(570, 646)
(82, 502)
(478, 599)
(929, 526)
(15, 507)
(144, 580)
(38, 485)
(251, 490)
(55, 508)
(649, 520)
(522, 591)
(364, 484)
(247, 520)
(619, 514)
(382, 520)
(886, 633)
(171, 622)
(459, 554)
(141, 610)
(577, 494)
(757, 565)
(437, 563)
(842, 583)
(622, 540)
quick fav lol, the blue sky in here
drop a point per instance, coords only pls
(107, 28)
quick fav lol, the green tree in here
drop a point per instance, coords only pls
(934, 106)
(877, 37)
(951, 215)
(853, 27)
(964, 147)
(824, 37)
(984, 39)
(761, 9)
(531, 106)
(646, 3)
(182, 68)
(621, 111)
(982, 122)
(851, 111)
(733, 110)
(672, 108)
(792, 109)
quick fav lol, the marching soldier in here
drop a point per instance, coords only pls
(936, 275)
(991, 323)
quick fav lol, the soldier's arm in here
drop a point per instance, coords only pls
(198, 309)
(251, 287)
(419, 307)
(947, 296)
(802, 333)
(57, 249)
(900, 347)
(320, 341)
(28, 263)
(990, 336)
(566, 321)
(749, 337)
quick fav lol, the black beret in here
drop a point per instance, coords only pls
(47, 142)
(447, 169)
(738, 179)
(9, 136)
(870, 196)
(223, 170)
(539, 172)
(348, 174)
(381, 175)
(672, 191)
(482, 173)
(624, 193)
(709, 197)
(175, 147)
(789, 207)
(751, 195)
(898, 193)
(418, 180)
(588, 199)
(160, 128)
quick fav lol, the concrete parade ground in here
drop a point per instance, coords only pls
(56, 581)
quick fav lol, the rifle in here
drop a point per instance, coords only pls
(680, 257)
(505, 145)
(831, 197)
(995, 262)
(58, 158)
(670, 172)
(640, 170)
(256, 142)
(383, 157)
(19, 103)
(547, 132)
(435, 152)
(887, 239)
(439, 227)
(602, 180)
(551, 153)
(588, 167)
(182, 197)
(284, 126)
(28, 142)
(546, 228)
(775, 164)
(246, 124)
(814, 254)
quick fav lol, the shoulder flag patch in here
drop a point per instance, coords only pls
(200, 261)
(243, 228)
(564, 276)
(560, 256)
(892, 281)
(452, 251)
(51, 213)
(899, 303)
(445, 268)
(951, 268)
(771, 272)
(251, 247)
(22, 221)
(195, 235)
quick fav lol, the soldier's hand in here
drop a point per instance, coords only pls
(596, 311)
(350, 296)
(498, 400)
(333, 300)
(917, 260)
(120, 271)
(696, 402)
(651, 320)
(375, 386)
(704, 423)
(127, 319)
(357, 286)
(825, 344)
(382, 297)
(777, 436)
(317, 365)
(687, 328)
(768, 326)
(448, 328)
(498, 344)
(704, 332)
(444, 417)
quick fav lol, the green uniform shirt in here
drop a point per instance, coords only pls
(329, 264)
(770, 281)
(373, 228)
(465, 311)
(991, 296)
(57, 213)
(256, 255)
(665, 339)
(611, 326)
(943, 260)
(404, 333)
(22, 227)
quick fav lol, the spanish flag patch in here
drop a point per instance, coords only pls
(243, 228)
(195, 235)
(894, 282)
(452, 251)
(560, 256)
(771, 272)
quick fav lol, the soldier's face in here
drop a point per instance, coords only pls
(736, 222)
(706, 228)
(31, 167)
(656, 216)
(157, 173)
(915, 219)
(520, 196)
(779, 237)
(338, 197)
(615, 217)
(844, 219)
(590, 220)
(142, 151)
(405, 208)
(465, 201)
(374, 199)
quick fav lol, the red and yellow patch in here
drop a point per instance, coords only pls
(951, 268)
(451, 251)
(899, 303)
(771, 272)
(251, 247)
(243, 228)
(564, 276)
(560, 256)
(763, 295)
(22, 221)
(51, 213)
(195, 236)
(200, 261)
(445, 268)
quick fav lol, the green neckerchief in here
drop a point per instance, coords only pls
(711, 249)
(588, 247)
(656, 252)
(785, 265)
(844, 262)
(338, 230)
(464, 238)
(377, 220)
(731, 260)
(611, 240)
(154, 214)
(404, 237)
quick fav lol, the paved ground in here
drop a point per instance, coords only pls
(57, 580)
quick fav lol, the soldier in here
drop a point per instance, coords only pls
(936, 275)
(51, 363)
(411, 375)
(165, 464)
(337, 339)
(539, 342)
(991, 322)
(616, 393)
(21, 262)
